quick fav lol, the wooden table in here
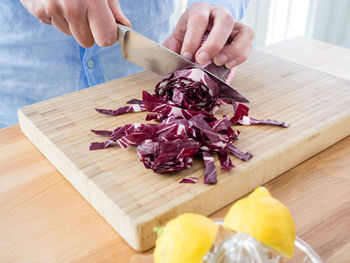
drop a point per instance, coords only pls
(43, 219)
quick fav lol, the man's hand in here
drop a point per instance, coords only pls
(89, 21)
(201, 17)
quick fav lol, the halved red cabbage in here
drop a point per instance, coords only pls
(191, 89)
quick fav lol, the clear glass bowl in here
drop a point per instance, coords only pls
(239, 247)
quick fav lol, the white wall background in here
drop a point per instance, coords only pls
(276, 20)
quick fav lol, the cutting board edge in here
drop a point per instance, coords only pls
(131, 236)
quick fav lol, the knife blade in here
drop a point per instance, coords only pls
(154, 57)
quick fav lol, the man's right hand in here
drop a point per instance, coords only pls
(89, 21)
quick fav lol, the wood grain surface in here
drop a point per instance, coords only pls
(133, 199)
(43, 219)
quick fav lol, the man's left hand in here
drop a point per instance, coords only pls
(229, 42)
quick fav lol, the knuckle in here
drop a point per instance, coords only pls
(39, 13)
(219, 9)
(215, 47)
(199, 5)
(199, 19)
(70, 10)
(52, 7)
(250, 32)
(234, 51)
(228, 18)
(223, 12)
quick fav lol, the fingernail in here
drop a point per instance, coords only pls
(220, 59)
(187, 55)
(203, 58)
(129, 23)
(231, 64)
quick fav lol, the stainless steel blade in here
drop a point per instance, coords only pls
(154, 57)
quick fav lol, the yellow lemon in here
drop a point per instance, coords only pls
(264, 218)
(186, 238)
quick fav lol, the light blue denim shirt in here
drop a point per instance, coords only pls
(38, 62)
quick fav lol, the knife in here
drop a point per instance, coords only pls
(156, 58)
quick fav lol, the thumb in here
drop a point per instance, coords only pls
(117, 13)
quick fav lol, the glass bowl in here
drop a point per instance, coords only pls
(232, 247)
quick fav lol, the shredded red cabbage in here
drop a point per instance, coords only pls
(131, 108)
(210, 169)
(183, 104)
(189, 180)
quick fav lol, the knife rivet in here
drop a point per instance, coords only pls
(90, 63)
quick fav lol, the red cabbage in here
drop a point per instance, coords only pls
(183, 104)
(191, 89)
(131, 108)
(210, 169)
(252, 121)
(241, 117)
(189, 180)
(165, 156)
(225, 161)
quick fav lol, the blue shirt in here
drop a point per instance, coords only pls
(38, 62)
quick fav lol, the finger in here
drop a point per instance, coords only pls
(238, 46)
(54, 11)
(39, 12)
(223, 23)
(196, 26)
(117, 13)
(239, 60)
(46, 20)
(102, 23)
(174, 42)
(79, 25)
(61, 24)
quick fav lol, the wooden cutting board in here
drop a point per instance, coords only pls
(133, 199)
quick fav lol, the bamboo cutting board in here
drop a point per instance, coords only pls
(133, 199)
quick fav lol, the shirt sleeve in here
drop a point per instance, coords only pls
(236, 7)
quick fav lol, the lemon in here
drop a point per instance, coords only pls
(264, 218)
(186, 238)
